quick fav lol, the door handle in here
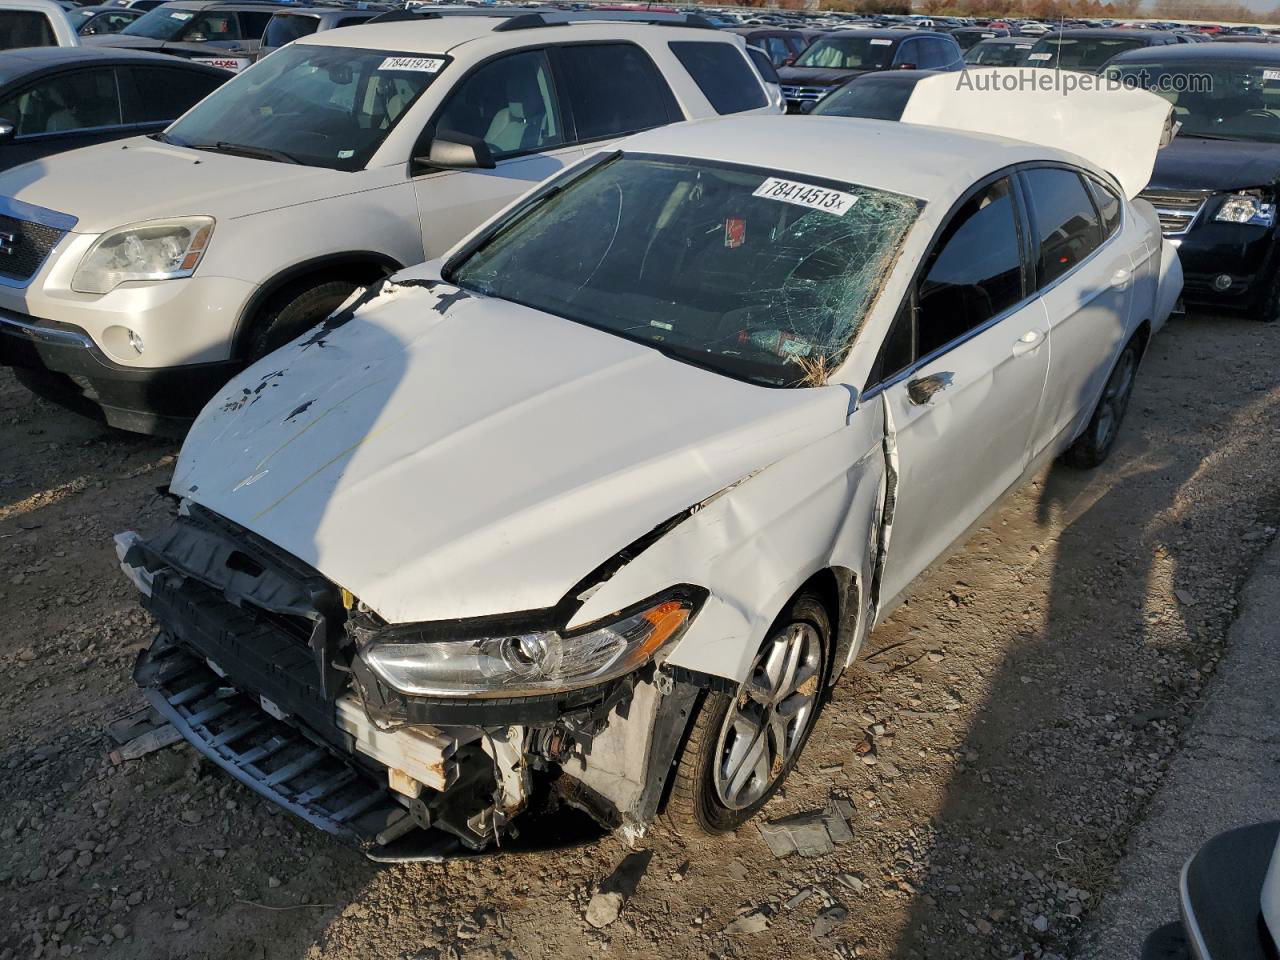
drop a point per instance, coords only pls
(1028, 342)
(921, 390)
(1120, 279)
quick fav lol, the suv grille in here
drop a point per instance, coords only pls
(1177, 208)
(24, 246)
(812, 94)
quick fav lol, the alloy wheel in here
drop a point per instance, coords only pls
(766, 724)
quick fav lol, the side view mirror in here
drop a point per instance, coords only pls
(195, 37)
(7, 131)
(789, 61)
(806, 106)
(451, 150)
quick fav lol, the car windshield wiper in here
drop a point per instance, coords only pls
(243, 150)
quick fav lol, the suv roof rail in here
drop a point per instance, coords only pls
(528, 21)
(403, 14)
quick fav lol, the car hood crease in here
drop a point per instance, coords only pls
(443, 455)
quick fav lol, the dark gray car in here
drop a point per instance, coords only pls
(58, 98)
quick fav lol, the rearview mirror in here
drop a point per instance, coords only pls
(451, 150)
(7, 131)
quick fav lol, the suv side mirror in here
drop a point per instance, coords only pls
(8, 130)
(790, 61)
(806, 106)
(451, 150)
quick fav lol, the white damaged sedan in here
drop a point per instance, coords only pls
(591, 514)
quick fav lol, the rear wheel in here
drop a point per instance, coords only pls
(293, 312)
(743, 745)
(1093, 446)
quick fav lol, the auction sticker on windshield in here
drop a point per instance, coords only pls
(806, 195)
(1270, 75)
(415, 64)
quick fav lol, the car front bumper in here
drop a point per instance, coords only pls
(253, 665)
(62, 363)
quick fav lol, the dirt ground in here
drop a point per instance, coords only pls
(999, 738)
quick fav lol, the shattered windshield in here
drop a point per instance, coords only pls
(758, 274)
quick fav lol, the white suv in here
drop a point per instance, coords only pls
(136, 277)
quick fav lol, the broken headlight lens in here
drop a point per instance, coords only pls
(155, 250)
(1245, 208)
(528, 664)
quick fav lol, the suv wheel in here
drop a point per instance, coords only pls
(291, 313)
(743, 745)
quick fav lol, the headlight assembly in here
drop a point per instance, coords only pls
(528, 664)
(154, 250)
(1246, 208)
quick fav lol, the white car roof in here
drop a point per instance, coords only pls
(448, 33)
(930, 163)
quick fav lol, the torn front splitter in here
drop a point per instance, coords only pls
(279, 761)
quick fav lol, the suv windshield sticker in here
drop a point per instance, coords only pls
(806, 195)
(416, 64)
(1271, 74)
(181, 15)
(877, 42)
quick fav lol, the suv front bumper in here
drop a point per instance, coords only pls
(62, 363)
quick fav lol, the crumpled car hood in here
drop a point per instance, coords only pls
(444, 455)
(96, 185)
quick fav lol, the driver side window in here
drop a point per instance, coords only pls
(509, 103)
(72, 101)
(213, 26)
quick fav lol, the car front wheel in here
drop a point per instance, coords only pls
(742, 745)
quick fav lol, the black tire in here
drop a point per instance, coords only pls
(696, 801)
(293, 312)
(1268, 308)
(1093, 446)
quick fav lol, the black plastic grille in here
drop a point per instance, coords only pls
(24, 246)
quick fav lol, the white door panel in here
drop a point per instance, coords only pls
(452, 203)
(1089, 315)
(961, 448)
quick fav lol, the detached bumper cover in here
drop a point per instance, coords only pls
(277, 760)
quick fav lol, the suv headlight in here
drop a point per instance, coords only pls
(529, 664)
(154, 250)
(1246, 208)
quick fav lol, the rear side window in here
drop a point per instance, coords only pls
(161, 94)
(722, 74)
(974, 271)
(1066, 224)
(288, 27)
(25, 28)
(612, 89)
(1108, 204)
